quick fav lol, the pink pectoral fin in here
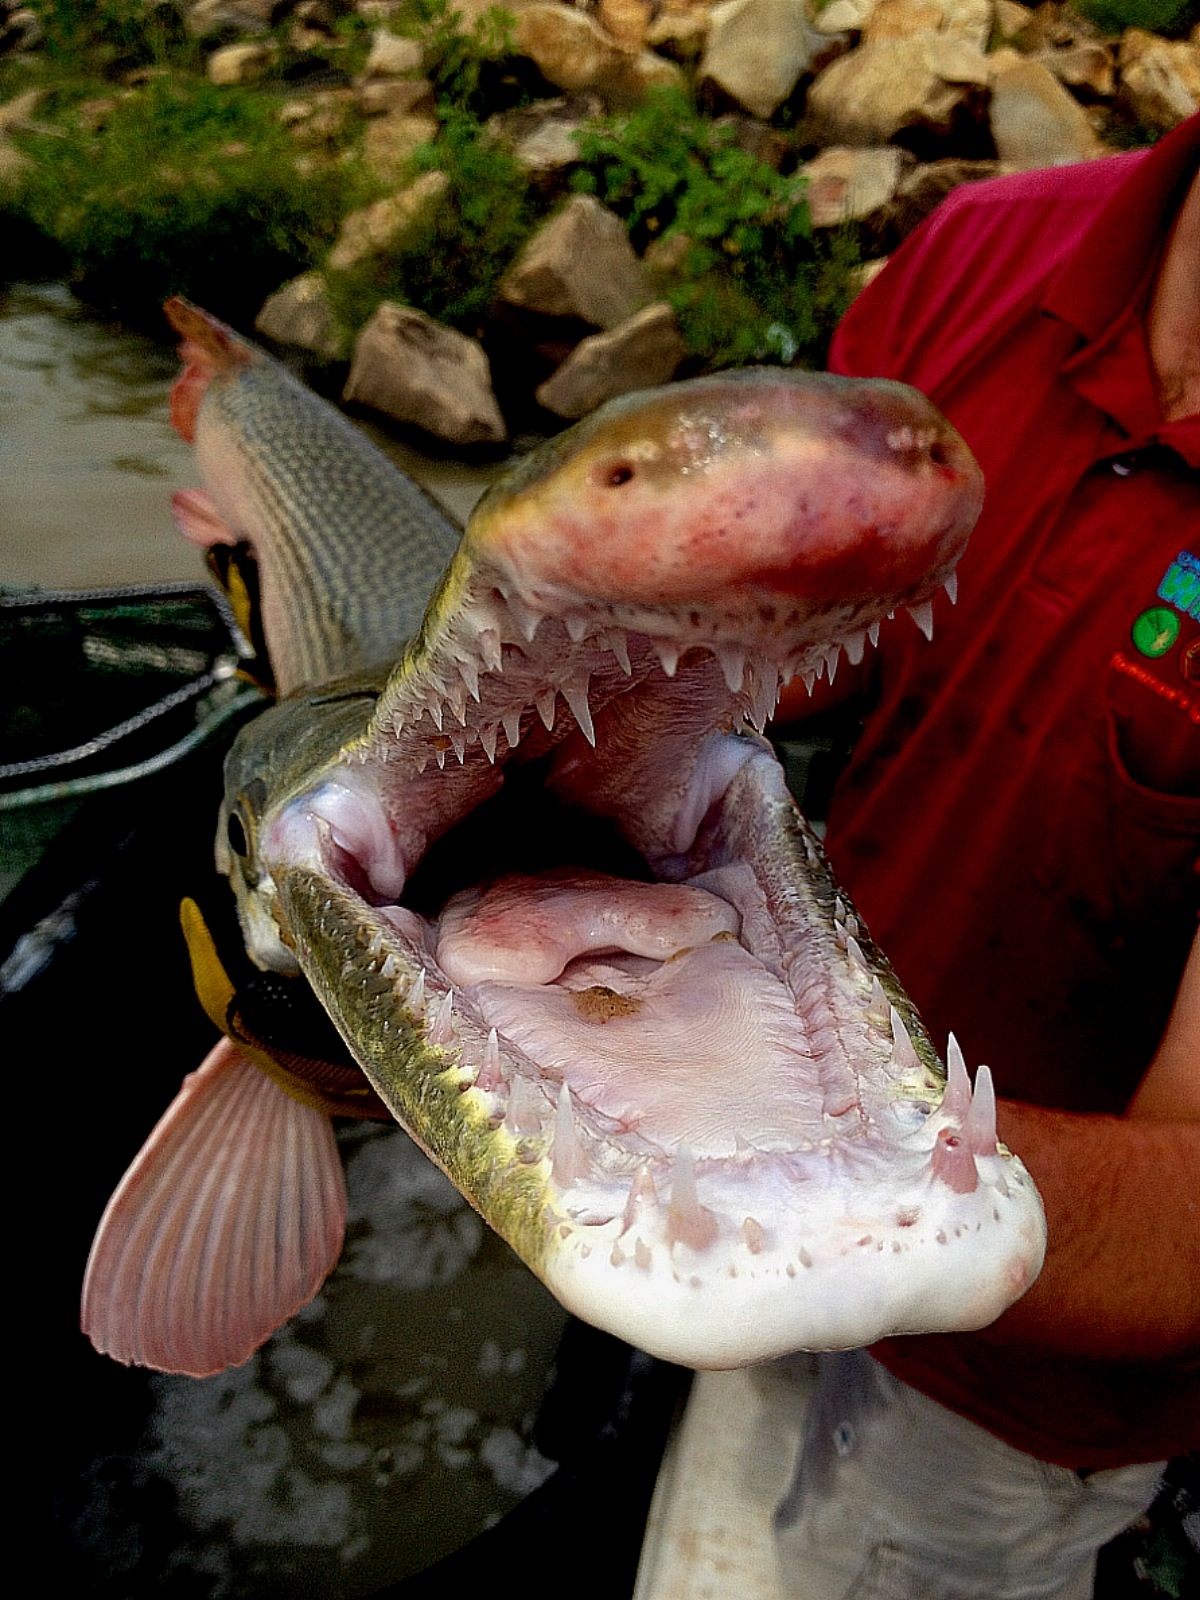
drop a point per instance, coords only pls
(195, 515)
(229, 1219)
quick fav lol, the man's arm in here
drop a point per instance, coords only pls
(1117, 1308)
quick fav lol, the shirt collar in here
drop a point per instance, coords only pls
(1102, 286)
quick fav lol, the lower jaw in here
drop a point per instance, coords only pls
(716, 1249)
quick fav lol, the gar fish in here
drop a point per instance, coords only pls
(547, 880)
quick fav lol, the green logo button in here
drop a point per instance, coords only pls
(1156, 630)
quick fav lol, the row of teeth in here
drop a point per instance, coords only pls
(447, 702)
(968, 1117)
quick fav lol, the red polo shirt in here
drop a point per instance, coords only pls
(1021, 819)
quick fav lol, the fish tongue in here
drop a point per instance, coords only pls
(228, 1221)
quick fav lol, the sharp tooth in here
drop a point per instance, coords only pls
(922, 615)
(668, 652)
(956, 1101)
(512, 728)
(423, 758)
(416, 995)
(764, 693)
(951, 587)
(487, 738)
(618, 644)
(434, 709)
(810, 680)
(576, 628)
(852, 926)
(567, 1160)
(879, 1007)
(526, 618)
(856, 644)
(839, 934)
(490, 1077)
(440, 756)
(979, 1125)
(524, 1113)
(832, 656)
(873, 633)
(470, 676)
(575, 694)
(904, 1056)
(458, 738)
(733, 665)
(642, 1194)
(390, 968)
(839, 909)
(490, 651)
(441, 1028)
(857, 959)
(457, 701)
(688, 1222)
(545, 705)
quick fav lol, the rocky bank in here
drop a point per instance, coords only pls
(871, 110)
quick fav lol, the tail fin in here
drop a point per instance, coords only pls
(229, 1220)
(208, 347)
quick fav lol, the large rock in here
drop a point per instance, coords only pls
(381, 97)
(969, 20)
(848, 185)
(299, 314)
(844, 16)
(1036, 122)
(241, 63)
(378, 228)
(580, 264)
(757, 50)
(214, 19)
(390, 141)
(1160, 78)
(393, 57)
(1086, 67)
(637, 354)
(919, 193)
(879, 90)
(575, 54)
(626, 20)
(415, 370)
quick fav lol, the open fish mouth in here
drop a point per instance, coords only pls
(555, 895)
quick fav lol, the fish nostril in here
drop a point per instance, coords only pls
(938, 454)
(614, 474)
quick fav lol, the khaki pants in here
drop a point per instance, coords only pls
(896, 1498)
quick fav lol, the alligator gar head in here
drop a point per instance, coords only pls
(552, 889)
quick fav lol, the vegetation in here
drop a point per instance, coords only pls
(449, 263)
(173, 184)
(102, 36)
(750, 279)
(1155, 16)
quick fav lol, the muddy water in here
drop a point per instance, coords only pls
(88, 458)
(392, 1420)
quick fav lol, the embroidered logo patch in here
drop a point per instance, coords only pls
(1155, 631)
(1180, 587)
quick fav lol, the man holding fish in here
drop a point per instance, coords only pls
(1020, 823)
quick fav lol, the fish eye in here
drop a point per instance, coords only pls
(235, 832)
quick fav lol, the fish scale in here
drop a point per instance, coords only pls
(340, 593)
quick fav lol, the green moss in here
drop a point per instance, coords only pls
(185, 188)
(451, 262)
(754, 282)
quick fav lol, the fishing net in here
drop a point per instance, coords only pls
(104, 688)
